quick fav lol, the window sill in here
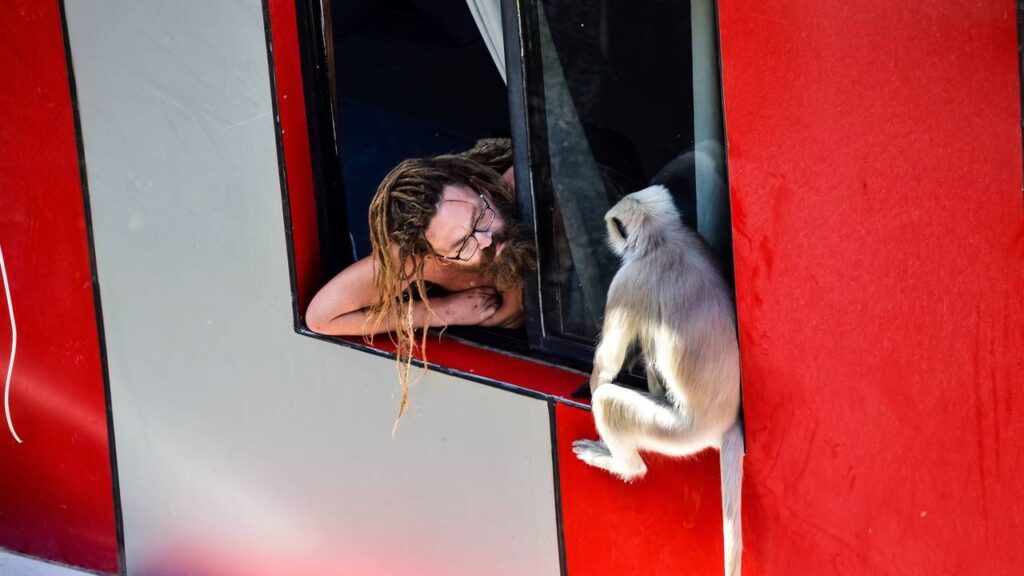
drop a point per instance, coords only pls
(524, 376)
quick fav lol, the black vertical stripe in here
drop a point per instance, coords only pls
(282, 173)
(313, 22)
(556, 477)
(101, 337)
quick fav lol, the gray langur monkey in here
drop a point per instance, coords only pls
(671, 300)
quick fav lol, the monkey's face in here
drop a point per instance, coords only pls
(618, 231)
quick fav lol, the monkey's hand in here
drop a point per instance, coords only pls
(599, 378)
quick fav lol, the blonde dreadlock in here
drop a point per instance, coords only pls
(405, 203)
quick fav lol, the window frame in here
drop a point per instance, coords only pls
(520, 19)
(519, 15)
(315, 49)
(313, 18)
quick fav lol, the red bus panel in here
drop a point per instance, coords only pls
(56, 495)
(875, 172)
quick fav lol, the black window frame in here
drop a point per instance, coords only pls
(517, 16)
(313, 19)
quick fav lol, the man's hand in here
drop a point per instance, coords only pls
(467, 308)
(510, 314)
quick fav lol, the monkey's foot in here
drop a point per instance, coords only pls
(593, 452)
(596, 454)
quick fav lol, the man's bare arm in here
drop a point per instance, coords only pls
(339, 308)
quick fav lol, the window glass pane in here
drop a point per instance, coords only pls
(612, 89)
(413, 79)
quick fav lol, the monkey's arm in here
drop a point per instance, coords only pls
(616, 335)
(654, 382)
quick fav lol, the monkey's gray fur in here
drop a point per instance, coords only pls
(668, 296)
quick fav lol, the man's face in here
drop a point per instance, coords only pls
(468, 228)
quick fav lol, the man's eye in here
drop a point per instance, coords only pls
(484, 222)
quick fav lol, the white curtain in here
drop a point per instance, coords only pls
(487, 14)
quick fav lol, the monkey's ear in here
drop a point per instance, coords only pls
(619, 227)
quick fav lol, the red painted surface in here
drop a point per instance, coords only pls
(669, 522)
(198, 557)
(518, 372)
(56, 496)
(875, 170)
(291, 108)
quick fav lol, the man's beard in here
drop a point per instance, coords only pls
(518, 255)
(517, 259)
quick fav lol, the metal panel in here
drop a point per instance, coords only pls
(244, 447)
(875, 167)
(23, 566)
(668, 522)
(56, 495)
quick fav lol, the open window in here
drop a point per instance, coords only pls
(600, 99)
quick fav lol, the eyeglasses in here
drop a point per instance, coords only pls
(470, 245)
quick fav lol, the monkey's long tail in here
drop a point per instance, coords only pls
(732, 488)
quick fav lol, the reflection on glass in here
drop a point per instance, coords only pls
(617, 99)
(413, 79)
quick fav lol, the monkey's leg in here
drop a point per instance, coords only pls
(628, 421)
(654, 382)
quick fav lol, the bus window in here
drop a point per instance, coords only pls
(600, 100)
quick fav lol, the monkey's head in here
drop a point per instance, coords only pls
(639, 222)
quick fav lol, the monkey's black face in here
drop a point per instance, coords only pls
(638, 218)
(619, 227)
(618, 231)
